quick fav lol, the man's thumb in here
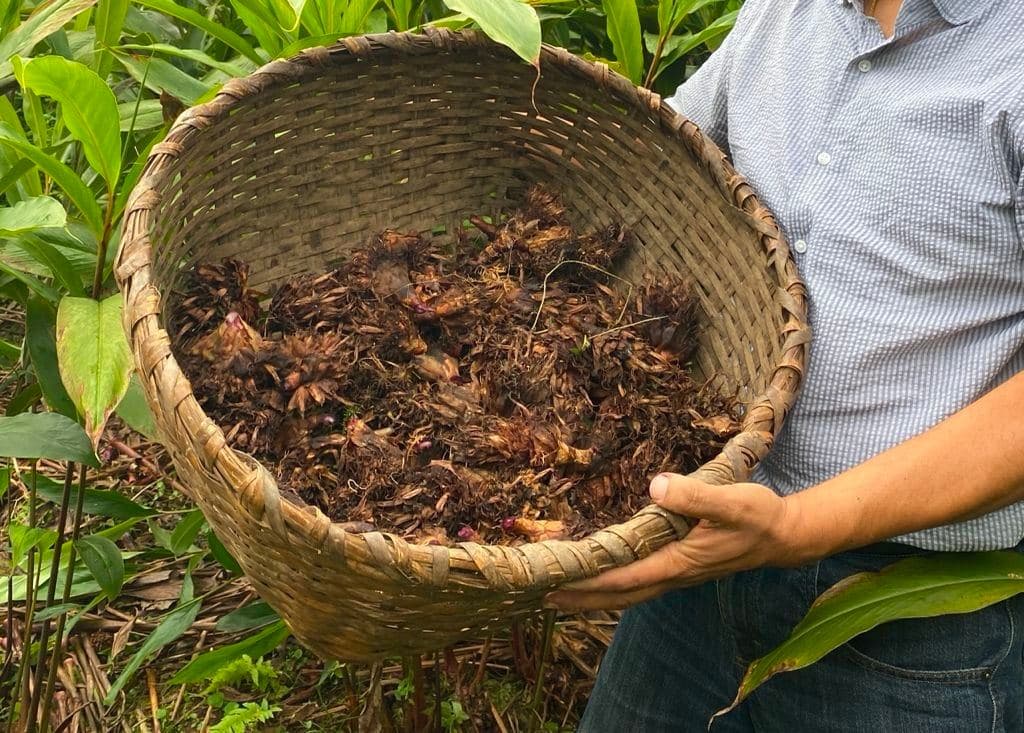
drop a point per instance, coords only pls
(690, 497)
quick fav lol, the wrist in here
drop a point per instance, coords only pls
(803, 539)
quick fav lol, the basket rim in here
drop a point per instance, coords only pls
(525, 567)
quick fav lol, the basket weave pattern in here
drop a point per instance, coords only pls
(296, 164)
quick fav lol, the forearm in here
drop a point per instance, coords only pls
(967, 465)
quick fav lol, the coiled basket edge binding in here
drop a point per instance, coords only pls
(313, 154)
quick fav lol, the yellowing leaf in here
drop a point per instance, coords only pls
(93, 357)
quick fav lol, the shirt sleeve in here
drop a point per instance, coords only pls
(703, 98)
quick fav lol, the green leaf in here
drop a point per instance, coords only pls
(30, 105)
(24, 538)
(45, 435)
(32, 283)
(919, 587)
(64, 177)
(40, 325)
(88, 108)
(54, 261)
(509, 22)
(221, 554)
(134, 410)
(110, 16)
(251, 616)
(150, 115)
(356, 16)
(678, 46)
(185, 531)
(173, 626)
(206, 665)
(9, 353)
(259, 17)
(623, 20)
(47, 18)
(212, 28)
(160, 76)
(103, 558)
(56, 610)
(93, 356)
(33, 213)
(5, 481)
(102, 502)
(191, 54)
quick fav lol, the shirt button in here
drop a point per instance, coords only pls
(864, 65)
(800, 246)
(824, 158)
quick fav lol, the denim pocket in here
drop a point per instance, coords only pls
(943, 649)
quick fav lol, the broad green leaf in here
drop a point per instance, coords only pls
(919, 587)
(30, 105)
(252, 616)
(206, 665)
(9, 353)
(623, 20)
(149, 115)
(259, 18)
(93, 356)
(24, 538)
(134, 410)
(356, 15)
(212, 28)
(103, 558)
(672, 12)
(24, 400)
(174, 625)
(5, 481)
(221, 554)
(184, 533)
(191, 54)
(62, 175)
(33, 213)
(110, 15)
(47, 18)
(51, 258)
(102, 502)
(401, 13)
(45, 435)
(40, 327)
(15, 173)
(161, 76)
(30, 281)
(28, 183)
(678, 46)
(510, 22)
(55, 610)
(88, 109)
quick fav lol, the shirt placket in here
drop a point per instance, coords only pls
(823, 160)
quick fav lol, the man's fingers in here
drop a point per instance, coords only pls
(660, 566)
(694, 498)
(572, 601)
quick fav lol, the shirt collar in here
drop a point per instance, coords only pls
(958, 12)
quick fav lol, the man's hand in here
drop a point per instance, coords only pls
(742, 526)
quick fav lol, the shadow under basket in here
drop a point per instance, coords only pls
(300, 162)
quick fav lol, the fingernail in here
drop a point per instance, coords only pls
(550, 602)
(659, 485)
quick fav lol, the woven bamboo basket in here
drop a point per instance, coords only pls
(301, 161)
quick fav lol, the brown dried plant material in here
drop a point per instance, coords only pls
(512, 390)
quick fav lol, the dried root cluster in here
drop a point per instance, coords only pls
(507, 389)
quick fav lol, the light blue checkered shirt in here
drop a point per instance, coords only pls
(895, 170)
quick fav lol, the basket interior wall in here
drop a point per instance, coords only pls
(294, 177)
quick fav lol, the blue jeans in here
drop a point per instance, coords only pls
(679, 658)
